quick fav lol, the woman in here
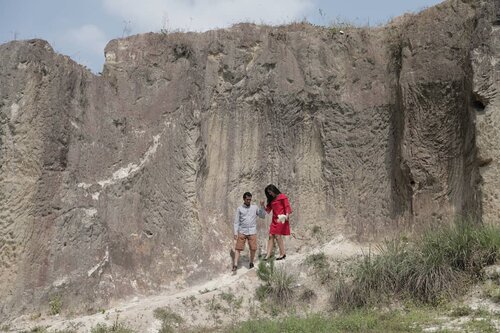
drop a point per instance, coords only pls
(278, 203)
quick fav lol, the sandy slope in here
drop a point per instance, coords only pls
(213, 303)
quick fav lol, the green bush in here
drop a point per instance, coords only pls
(307, 295)
(434, 267)
(262, 292)
(461, 311)
(37, 329)
(265, 270)
(321, 267)
(55, 304)
(277, 283)
(467, 245)
(371, 321)
(492, 291)
(117, 327)
(317, 260)
(167, 318)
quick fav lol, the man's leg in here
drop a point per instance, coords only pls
(252, 245)
(240, 245)
(252, 255)
(236, 257)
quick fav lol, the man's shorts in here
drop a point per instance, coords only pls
(252, 242)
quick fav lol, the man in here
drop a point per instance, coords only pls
(245, 228)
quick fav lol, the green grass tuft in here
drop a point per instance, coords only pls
(434, 268)
(277, 283)
(355, 321)
(168, 319)
(117, 327)
(55, 304)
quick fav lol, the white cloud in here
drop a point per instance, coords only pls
(88, 37)
(202, 15)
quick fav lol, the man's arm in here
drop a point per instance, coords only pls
(261, 212)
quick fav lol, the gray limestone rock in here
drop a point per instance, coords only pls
(126, 183)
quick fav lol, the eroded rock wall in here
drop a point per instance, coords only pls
(486, 104)
(127, 182)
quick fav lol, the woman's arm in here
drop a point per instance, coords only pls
(268, 208)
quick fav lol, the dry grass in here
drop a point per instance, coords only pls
(278, 283)
(435, 267)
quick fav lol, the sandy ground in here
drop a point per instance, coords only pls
(229, 299)
(223, 300)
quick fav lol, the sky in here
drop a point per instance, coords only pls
(82, 28)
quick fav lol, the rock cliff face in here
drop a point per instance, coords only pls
(127, 182)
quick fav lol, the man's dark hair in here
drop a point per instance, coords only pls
(247, 194)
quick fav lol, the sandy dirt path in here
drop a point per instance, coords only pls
(222, 300)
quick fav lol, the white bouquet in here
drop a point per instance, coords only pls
(281, 218)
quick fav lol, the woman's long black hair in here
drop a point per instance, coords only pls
(274, 189)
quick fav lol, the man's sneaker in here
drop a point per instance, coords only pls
(234, 269)
(250, 266)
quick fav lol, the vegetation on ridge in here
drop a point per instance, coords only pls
(417, 278)
(434, 267)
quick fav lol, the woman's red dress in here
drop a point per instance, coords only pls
(279, 206)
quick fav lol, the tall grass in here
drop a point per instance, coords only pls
(436, 266)
(168, 319)
(278, 283)
(102, 328)
(117, 327)
(364, 320)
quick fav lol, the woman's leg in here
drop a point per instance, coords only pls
(281, 245)
(270, 245)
